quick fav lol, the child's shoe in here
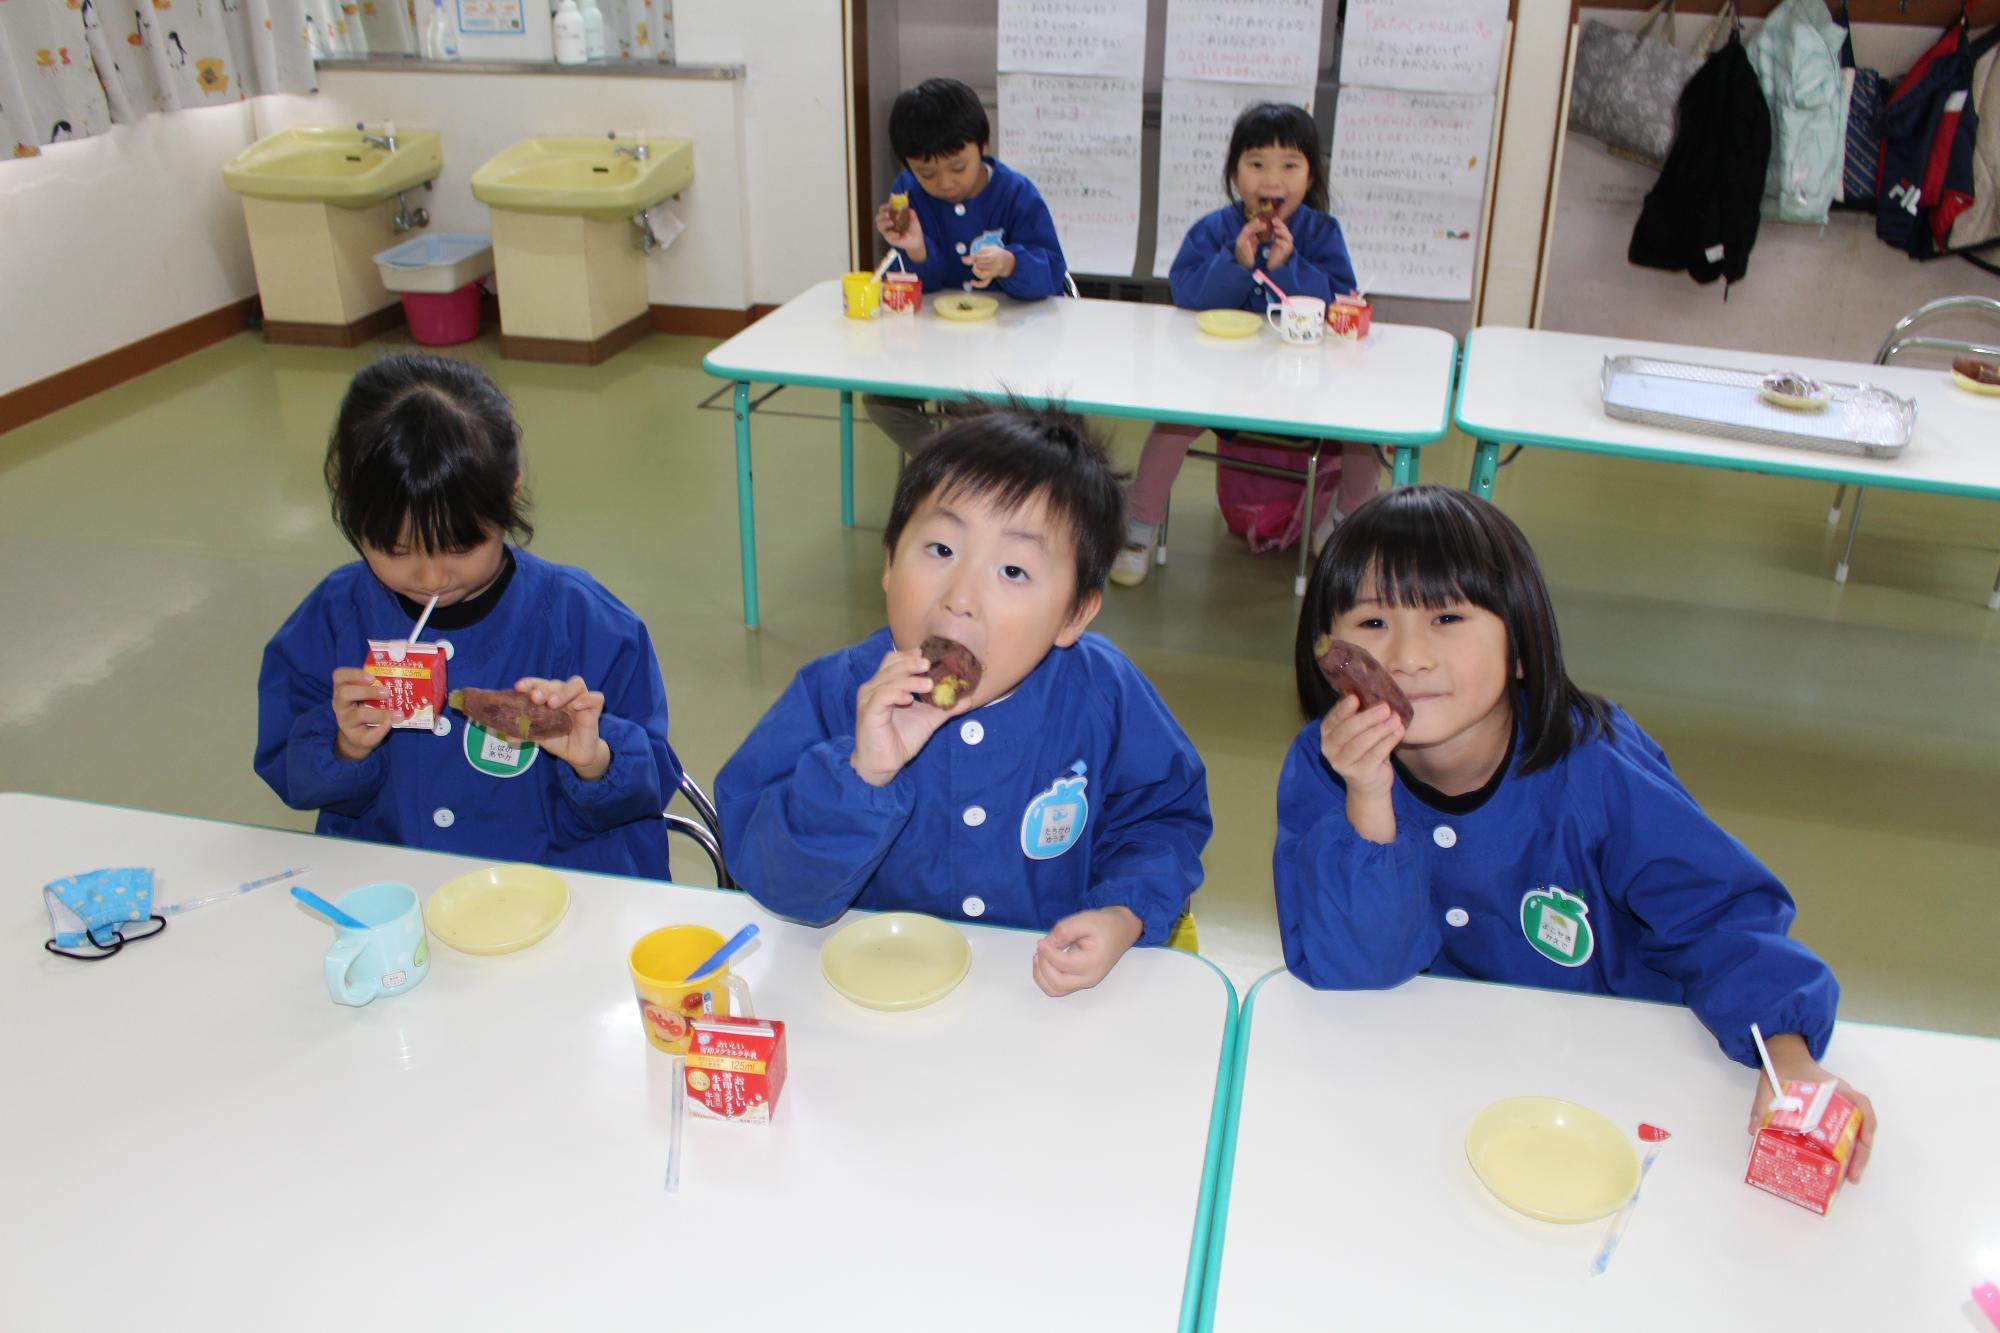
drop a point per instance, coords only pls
(1131, 565)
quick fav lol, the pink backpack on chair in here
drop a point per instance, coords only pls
(1267, 511)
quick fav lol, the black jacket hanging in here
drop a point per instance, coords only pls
(1702, 214)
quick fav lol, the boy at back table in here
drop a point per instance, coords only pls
(1051, 790)
(960, 219)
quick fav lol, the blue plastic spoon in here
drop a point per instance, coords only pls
(726, 952)
(327, 909)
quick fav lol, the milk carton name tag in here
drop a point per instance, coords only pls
(1054, 820)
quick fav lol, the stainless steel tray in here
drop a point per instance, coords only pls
(1713, 400)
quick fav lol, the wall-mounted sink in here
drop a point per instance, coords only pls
(578, 176)
(313, 164)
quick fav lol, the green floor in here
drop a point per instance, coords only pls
(154, 536)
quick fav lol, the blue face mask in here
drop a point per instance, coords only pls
(97, 913)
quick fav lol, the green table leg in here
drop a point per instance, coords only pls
(1409, 460)
(846, 458)
(1485, 464)
(746, 509)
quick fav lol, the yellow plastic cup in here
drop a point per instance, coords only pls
(668, 1002)
(860, 297)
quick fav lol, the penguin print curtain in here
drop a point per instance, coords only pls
(70, 68)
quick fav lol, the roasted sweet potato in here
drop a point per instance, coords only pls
(899, 205)
(954, 671)
(511, 714)
(1350, 669)
(1976, 370)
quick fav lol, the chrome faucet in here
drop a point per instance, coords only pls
(636, 150)
(386, 140)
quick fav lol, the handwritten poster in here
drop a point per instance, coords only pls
(1408, 176)
(1424, 45)
(1195, 119)
(1244, 41)
(1073, 37)
(1077, 139)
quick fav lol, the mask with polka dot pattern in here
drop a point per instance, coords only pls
(97, 913)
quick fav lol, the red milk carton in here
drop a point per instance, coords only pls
(735, 1067)
(413, 673)
(902, 293)
(1348, 317)
(1802, 1155)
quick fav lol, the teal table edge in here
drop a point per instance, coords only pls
(1225, 1167)
(1206, 1213)
(1408, 444)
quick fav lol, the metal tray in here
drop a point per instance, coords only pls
(1713, 400)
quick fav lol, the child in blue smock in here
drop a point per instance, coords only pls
(1274, 177)
(971, 222)
(425, 473)
(1058, 794)
(1519, 829)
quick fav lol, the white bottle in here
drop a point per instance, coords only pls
(593, 29)
(570, 47)
(441, 33)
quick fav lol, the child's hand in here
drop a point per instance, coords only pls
(1794, 1061)
(1254, 233)
(890, 726)
(582, 749)
(1281, 244)
(909, 238)
(994, 261)
(1357, 745)
(358, 714)
(1081, 949)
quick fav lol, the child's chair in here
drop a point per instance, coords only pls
(707, 833)
(1901, 339)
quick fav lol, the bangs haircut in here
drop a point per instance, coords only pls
(936, 119)
(1277, 125)
(1008, 455)
(1430, 546)
(428, 442)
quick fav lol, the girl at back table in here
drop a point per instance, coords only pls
(1275, 178)
(1516, 829)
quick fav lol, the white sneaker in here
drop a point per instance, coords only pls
(1134, 562)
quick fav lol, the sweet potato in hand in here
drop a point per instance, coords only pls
(1350, 669)
(954, 671)
(511, 714)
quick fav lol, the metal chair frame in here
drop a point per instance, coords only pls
(707, 832)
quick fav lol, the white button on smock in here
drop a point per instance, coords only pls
(974, 906)
(974, 816)
(971, 732)
(442, 726)
(443, 817)
(1443, 836)
(1457, 916)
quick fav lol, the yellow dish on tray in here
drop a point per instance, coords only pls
(1971, 385)
(1793, 391)
(1229, 323)
(965, 307)
(498, 909)
(1551, 1159)
(897, 960)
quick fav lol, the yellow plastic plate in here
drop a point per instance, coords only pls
(965, 307)
(1551, 1159)
(1229, 323)
(897, 960)
(498, 909)
(1971, 385)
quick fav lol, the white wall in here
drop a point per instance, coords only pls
(477, 115)
(111, 239)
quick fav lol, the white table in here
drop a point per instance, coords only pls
(1535, 387)
(194, 1137)
(1352, 1204)
(1112, 358)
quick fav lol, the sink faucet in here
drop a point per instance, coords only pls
(386, 140)
(636, 150)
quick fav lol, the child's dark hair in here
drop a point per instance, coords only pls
(1277, 125)
(1425, 546)
(1008, 455)
(429, 441)
(936, 119)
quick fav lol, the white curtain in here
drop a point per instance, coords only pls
(69, 68)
